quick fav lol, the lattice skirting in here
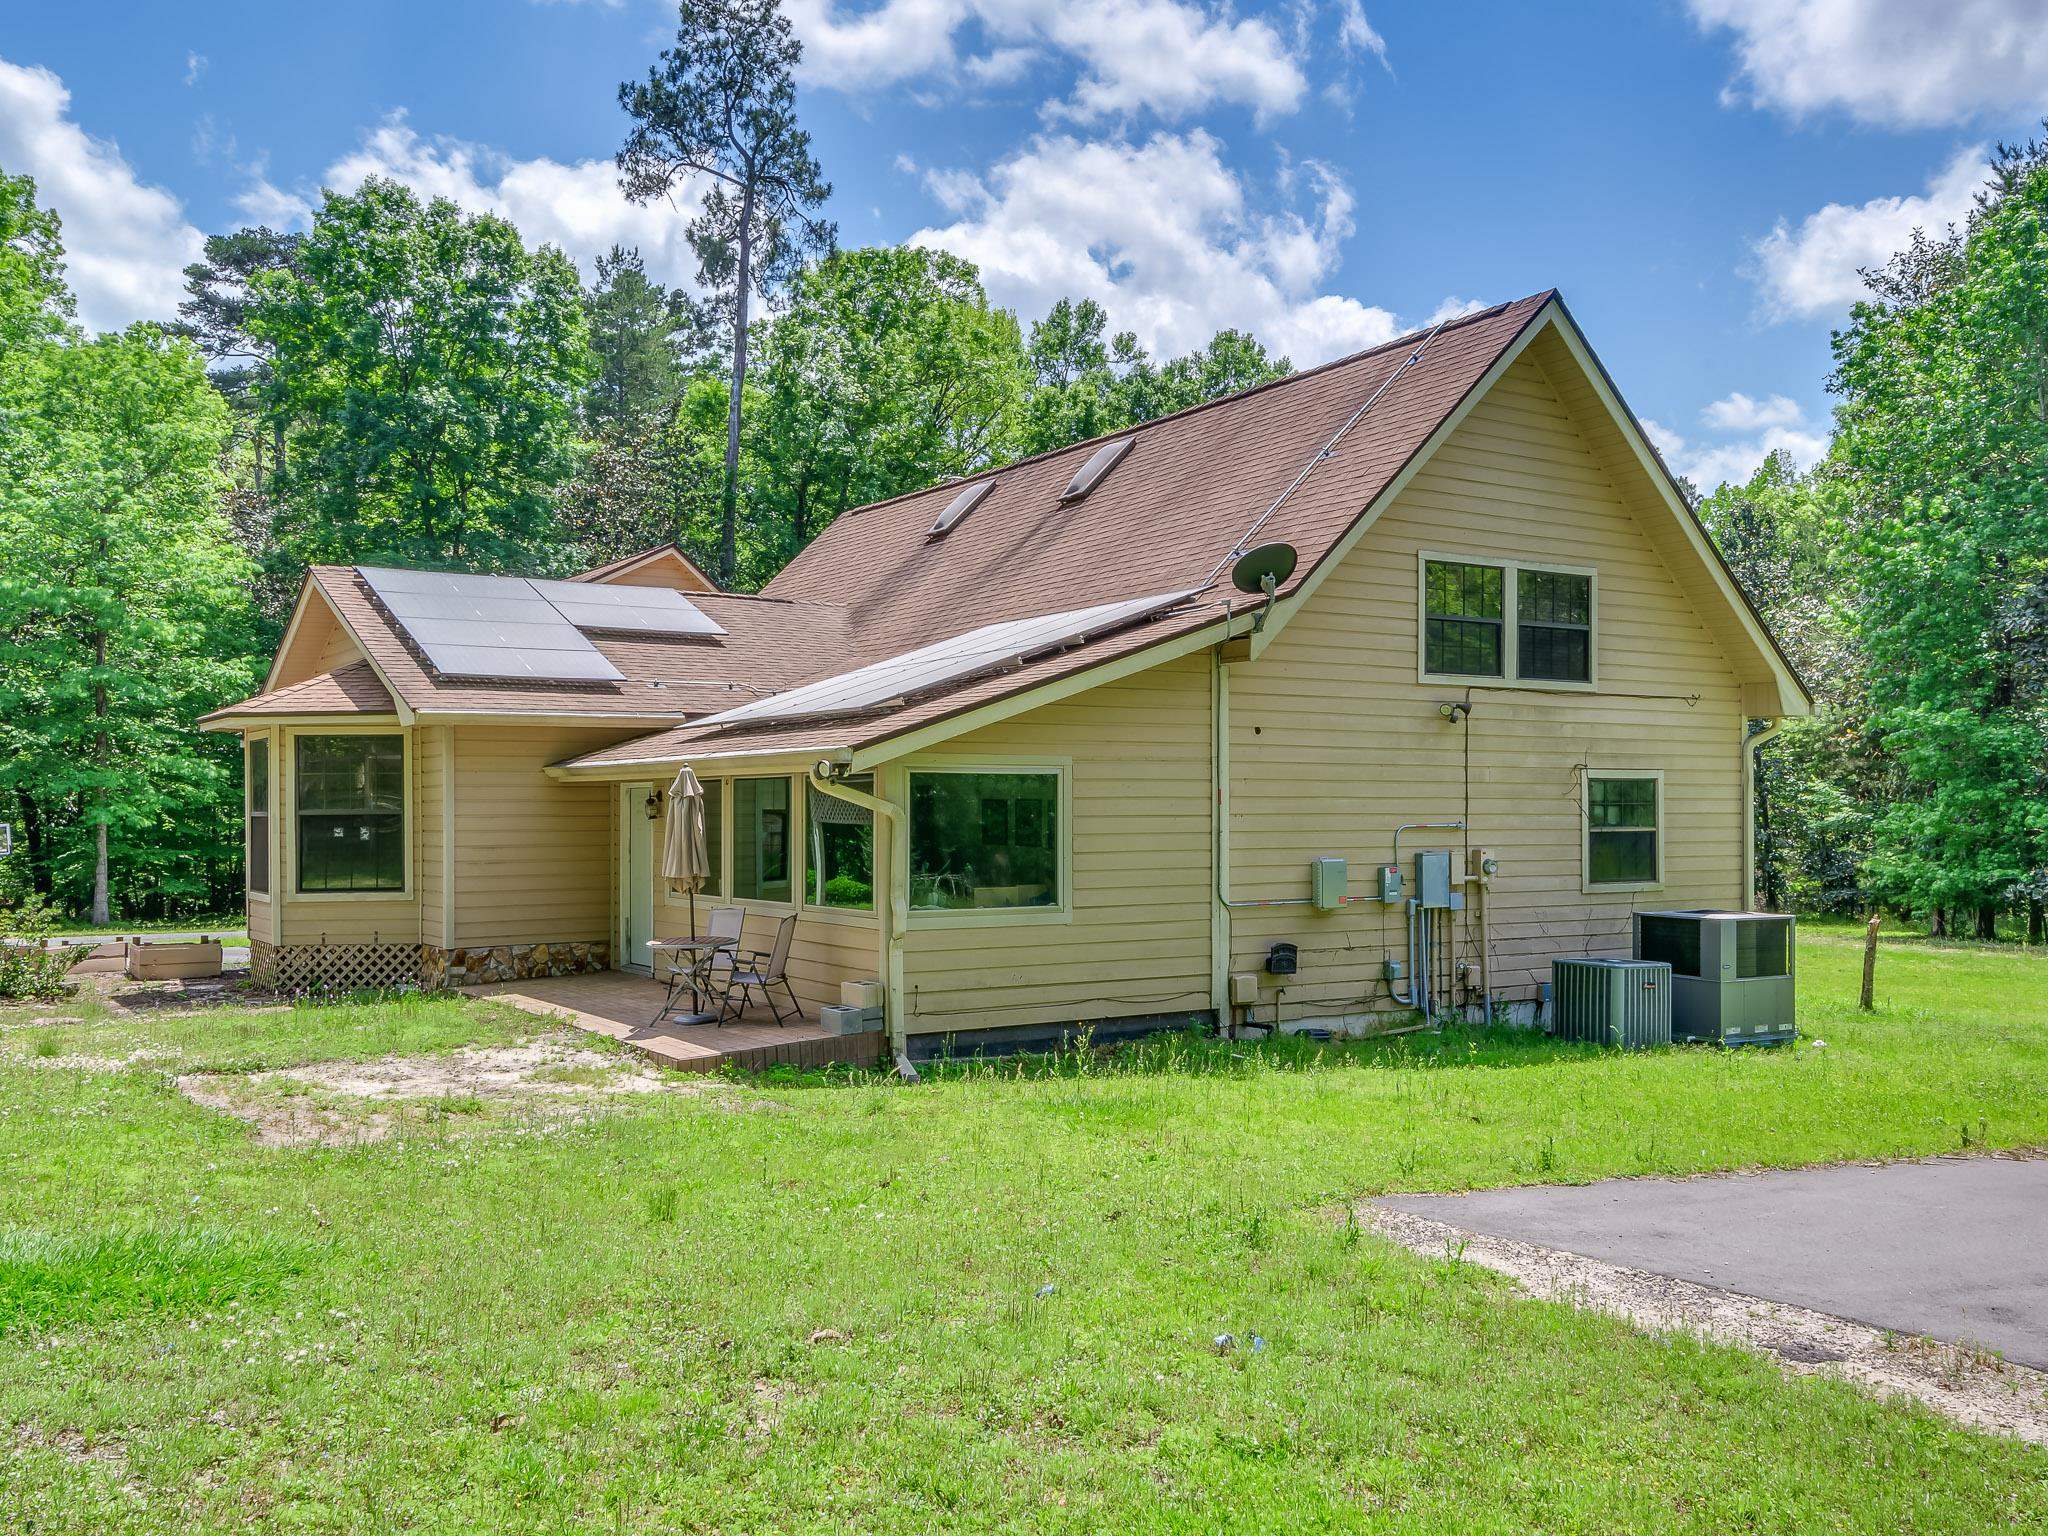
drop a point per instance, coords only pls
(344, 967)
(262, 962)
(511, 962)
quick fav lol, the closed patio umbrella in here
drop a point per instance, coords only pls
(685, 856)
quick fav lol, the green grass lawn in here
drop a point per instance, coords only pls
(985, 1303)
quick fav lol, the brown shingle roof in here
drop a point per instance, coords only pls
(349, 690)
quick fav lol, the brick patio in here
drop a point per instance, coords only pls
(618, 1005)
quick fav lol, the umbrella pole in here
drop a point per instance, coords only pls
(696, 997)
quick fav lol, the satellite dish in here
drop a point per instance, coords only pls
(1264, 568)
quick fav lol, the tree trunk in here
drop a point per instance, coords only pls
(729, 512)
(1869, 999)
(100, 912)
(1987, 922)
(1937, 928)
(2037, 921)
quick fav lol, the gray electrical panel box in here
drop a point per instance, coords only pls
(1390, 883)
(1329, 881)
(1433, 880)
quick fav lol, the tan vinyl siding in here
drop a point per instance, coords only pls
(533, 856)
(662, 571)
(1334, 742)
(319, 644)
(1137, 937)
(429, 838)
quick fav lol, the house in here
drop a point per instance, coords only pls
(1018, 746)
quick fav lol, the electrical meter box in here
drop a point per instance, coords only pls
(1329, 880)
(1433, 880)
(1390, 883)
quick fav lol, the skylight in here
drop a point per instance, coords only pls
(1099, 464)
(968, 499)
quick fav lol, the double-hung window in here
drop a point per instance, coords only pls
(258, 821)
(1624, 829)
(350, 809)
(1506, 620)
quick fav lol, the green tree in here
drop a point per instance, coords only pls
(123, 615)
(645, 337)
(1943, 433)
(34, 304)
(721, 107)
(888, 370)
(655, 479)
(430, 366)
(215, 314)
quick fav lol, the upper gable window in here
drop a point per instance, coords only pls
(1522, 624)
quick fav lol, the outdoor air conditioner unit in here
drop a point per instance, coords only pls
(1731, 972)
(1611, 1002)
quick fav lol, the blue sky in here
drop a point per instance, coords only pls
(1700, 177)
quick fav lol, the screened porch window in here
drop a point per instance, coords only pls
(982, 841)
(842, 863)
(258, 825)
(350, 804)
(1622, 823)
(760, 840)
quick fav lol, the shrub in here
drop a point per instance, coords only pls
(28, 966)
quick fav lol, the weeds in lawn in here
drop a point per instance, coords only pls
(661, 1203)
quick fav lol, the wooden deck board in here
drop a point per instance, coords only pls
(618, 1006)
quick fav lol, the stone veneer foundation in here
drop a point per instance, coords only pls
(441, 968)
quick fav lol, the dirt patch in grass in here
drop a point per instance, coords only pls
(1972, 1386)
(350, 1103)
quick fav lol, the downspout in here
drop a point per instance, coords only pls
(885, 812)
(1751, 741)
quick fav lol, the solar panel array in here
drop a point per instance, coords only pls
(992, 648)
(627, 610)
(510, 628)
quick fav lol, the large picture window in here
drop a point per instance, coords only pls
(984, 840)
(1623, 827)
(842, 862)
(1502, 619)
(350, 804)
(257, 833)
(760, 840)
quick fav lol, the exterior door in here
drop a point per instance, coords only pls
(636, 879)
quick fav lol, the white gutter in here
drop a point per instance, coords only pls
(892, 918)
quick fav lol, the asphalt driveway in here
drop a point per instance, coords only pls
(1955, 1248)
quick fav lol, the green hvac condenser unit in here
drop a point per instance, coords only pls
(1731, 973)
(1611, 1002)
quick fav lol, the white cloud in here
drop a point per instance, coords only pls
(1162, 235)
(1358, 35)
(1738, 412)
(1896, 63)
(1454, 308)
(1812, 270)
(126, 242)
(577, 206)
(195, 66)
(1776, 423)
(1170, 57)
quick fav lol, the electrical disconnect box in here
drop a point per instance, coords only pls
(1329, 880)
(1433, 880)
(1390, 883)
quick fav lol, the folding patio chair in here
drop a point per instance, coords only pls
(763, 970)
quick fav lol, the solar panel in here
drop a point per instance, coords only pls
(626, 610)
(1100, 463)
(961, 505)
(487, 626)
(992, 648)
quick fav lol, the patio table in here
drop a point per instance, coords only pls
(689, 969)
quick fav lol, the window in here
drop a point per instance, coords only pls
(1623, 829)
(714, 832)
(1462, 619)
(1554, 636)
(351, 813)
(1465, 631)
(984, 840)
(842, 864)
(258, 828)
(760, 839)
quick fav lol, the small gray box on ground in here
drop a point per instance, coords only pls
(835, 1019)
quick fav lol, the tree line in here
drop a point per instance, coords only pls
(405, 382)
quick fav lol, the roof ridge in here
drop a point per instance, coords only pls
(1406, 338)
